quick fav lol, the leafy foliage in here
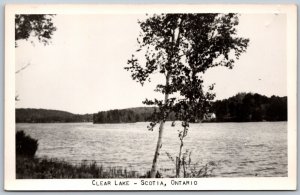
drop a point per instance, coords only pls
(36, 25)
(182, 47)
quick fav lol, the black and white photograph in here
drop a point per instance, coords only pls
(125, 97)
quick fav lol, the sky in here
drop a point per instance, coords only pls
(82, 69)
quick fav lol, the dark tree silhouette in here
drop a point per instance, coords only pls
(182, 47)
(36, 25)
(25, 145)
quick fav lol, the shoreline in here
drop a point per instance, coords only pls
(44, 168)
(148, 122)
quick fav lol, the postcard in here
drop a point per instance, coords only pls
(151, 97)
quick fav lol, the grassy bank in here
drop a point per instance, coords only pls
(28, 166)
(38, 168)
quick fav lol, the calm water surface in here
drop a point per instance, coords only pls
(239, 149)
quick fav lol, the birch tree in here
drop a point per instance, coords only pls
(181, 47)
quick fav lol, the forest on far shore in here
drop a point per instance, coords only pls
(243, 107)
(247, 107)
(33, 115)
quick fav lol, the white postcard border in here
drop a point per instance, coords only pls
(260, 183)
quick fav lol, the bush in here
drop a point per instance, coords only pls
(25, 145)
(187, 169)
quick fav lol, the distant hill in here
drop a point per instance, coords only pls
(32, 115)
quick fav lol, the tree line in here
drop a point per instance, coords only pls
(248, 107)
(243, 107)
(130, 115)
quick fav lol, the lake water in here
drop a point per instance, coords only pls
(238, 149)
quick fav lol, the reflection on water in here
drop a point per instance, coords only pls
(239, 149)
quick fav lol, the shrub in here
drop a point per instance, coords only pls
(25, 145)
(188, 169)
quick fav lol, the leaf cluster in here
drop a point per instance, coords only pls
(36, 25)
